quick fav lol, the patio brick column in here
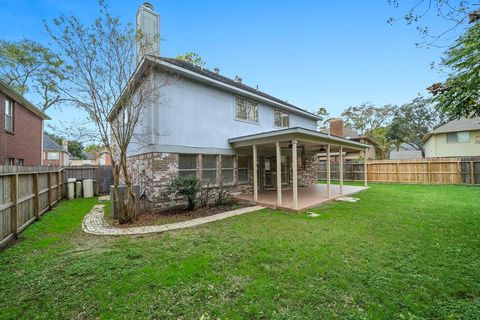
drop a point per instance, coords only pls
(329, 190)
(279, 174)
(341, 170)
(294, 174)
(365, 173)
(255, 176)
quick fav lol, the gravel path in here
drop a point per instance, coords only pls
(93, 223)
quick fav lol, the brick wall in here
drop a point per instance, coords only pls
(154, 171)
(26, 140)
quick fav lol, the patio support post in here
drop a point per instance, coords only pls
(365, 173)
(294, 174)
(255, 177)
(279, 174)
(341, 170)
(329, 190)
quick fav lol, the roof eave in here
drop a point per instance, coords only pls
(27, 104)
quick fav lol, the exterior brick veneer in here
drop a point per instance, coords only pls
(154, 171)
(26, 140)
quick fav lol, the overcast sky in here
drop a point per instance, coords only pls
(311, 53)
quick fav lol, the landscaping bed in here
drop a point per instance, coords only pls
(180, 214)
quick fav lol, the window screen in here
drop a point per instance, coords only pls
(187, 165)
(246, 109)
(209, 169)
(227, 169)
(242, 168)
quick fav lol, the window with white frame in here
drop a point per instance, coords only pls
(458, 137)
(8, 115)
(53, 156)
(282, 119)
(227, 169)
(246, 110)
(242, 168)
(187, 165)
(209, 169)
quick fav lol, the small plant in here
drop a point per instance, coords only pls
(224, 195)
(186, 186)
(205, 195)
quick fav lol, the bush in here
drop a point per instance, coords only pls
(186, 186)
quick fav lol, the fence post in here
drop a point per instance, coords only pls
(429, 170)
(49, 185)
(14, 208)
(59, 192)
(459, 172)
(36, 199)
(472, 173)
(398, 172)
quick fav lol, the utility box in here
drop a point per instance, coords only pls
(121, 193)
(78, 189)
(88, 188)
(71, 188)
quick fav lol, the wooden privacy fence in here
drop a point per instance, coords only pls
(102, 175)
(26, 193)
(449, 171)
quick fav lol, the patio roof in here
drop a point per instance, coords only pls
(295, 133)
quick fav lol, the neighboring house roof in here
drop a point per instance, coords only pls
(50, 145)
(12, 93)
(406, 147)
(212, 78)
(462, 124)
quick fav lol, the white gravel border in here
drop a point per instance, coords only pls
(93, 223)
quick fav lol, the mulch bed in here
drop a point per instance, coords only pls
(178, 215)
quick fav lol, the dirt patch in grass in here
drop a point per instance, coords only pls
(178, 215)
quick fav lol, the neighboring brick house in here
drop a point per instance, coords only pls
(21, 129)
(55, 154)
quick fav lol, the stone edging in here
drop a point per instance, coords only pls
(93, 223)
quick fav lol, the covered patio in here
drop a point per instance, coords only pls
(302, 146)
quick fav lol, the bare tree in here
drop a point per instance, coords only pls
(454, 13)
(101, 60)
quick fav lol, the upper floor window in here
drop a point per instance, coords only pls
(282, 119)
(454, 137)
(53, 156)
(246, 110)
(8, 114)
(187, 165)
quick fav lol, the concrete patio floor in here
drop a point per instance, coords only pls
(308, 197)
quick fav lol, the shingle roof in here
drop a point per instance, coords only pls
(49, 144)
(462, 124)
(218, 77)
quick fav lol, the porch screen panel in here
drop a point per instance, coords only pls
(227, 169)
(242, 169)
(209, 169)
(187, 165)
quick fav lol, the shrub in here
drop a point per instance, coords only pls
(186, 186)
(224, 195)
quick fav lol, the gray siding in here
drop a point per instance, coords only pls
(193, 117)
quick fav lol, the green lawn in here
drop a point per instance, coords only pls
(402, 252)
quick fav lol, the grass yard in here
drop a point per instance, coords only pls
(402, 252)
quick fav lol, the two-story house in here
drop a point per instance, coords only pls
(55, 154)
(21, 129)
(456, 138)
(205, 124)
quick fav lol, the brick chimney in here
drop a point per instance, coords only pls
(336, 128)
